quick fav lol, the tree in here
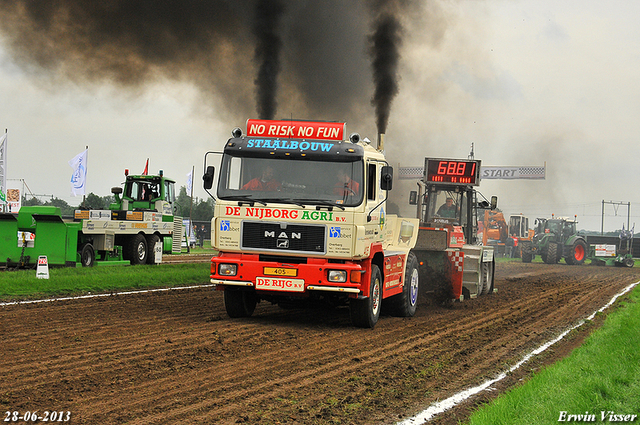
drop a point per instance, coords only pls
(65, 209)
(32, 202)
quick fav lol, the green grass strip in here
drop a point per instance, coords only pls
(602, 377)
(23, 284)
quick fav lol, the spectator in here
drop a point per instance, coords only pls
(509, 247)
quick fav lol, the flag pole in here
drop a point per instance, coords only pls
(3, 183)
(191, 209)
(84, 195)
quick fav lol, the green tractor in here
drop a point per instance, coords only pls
(554, 239)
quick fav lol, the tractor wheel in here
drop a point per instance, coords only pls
(138, 250)
(239, 302)
(87, 255)
(151, 245)
(405, 303)
(628, 262)
(577, 253)
(552, 253)
(527, 254)
(365, 312)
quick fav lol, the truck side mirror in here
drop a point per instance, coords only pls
(413, 197)
(386, 178)
(494, 202)
(208, 177)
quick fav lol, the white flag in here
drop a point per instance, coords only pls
(189, 182)
(79, 176)
(3, 168)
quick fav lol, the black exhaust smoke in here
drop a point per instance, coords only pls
(210, 44)
(385, 54)
(267, 55)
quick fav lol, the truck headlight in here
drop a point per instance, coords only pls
(228, 269)
(337, 276)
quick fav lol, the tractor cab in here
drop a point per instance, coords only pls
(145, 193)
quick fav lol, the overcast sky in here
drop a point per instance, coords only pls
(527, 82)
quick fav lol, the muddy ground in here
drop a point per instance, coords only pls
(175, 357)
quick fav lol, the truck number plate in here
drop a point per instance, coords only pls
(280, 284)
(280, 271)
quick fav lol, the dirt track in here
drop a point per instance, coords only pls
(175, 357)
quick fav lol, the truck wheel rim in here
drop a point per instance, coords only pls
(375, 305)
(414, 287)
(141, 251)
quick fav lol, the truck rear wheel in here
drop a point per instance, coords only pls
(365, 312)
(577, 253)
(151, 246)
(87, 255)
(487, 277)
(405, 303)
(239, 302)
(138, 250)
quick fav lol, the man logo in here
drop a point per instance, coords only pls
(225, 225)
(283, 243)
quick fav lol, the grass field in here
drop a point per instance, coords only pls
(23, 284)
(599, 382)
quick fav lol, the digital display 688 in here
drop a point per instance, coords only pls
(451, 171)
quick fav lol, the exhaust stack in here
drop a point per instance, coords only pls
(380, 146)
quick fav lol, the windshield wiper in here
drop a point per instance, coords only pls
(283, 201)
(321, 202)
(243, 198)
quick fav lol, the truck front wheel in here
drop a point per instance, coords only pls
(138, 250)
(365, 312)
(239, 302)
(87, 255)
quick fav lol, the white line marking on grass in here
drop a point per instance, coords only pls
(81, 297)
(444, 405)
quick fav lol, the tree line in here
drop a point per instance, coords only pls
(200, 210)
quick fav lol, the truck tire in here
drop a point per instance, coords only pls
(365, 312)
(405, 303)
(552, 253)
(138, 250)
(151, 245)
(87, 255)
(239, 302)
(488, 269)
(527, 253)
(577, 253)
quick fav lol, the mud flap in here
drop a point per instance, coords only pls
(455, 272)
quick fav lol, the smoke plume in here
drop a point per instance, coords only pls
(243, 55)
(267, 56)
(385, 54)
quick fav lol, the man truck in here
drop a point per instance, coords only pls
(301, 214)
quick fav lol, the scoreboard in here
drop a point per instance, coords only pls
(452, 171)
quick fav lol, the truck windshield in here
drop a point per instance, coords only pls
(291, 181)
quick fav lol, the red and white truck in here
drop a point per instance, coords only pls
(301, 214)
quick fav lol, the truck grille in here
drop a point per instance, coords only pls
(283, 238)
